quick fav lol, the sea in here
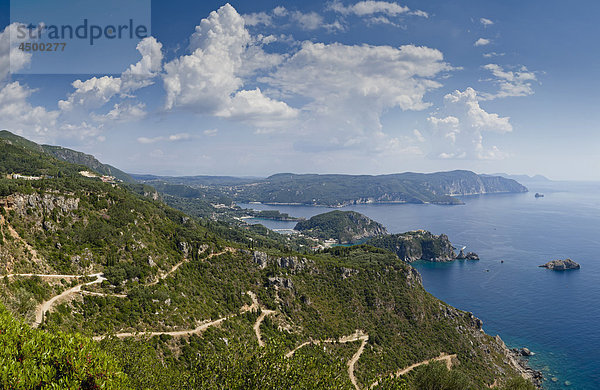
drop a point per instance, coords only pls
(554, 314)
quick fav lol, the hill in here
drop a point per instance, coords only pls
(87, 160)
(178, 302)
(340, 190)
(524, 178)
(344, 226)
(67, 155)
(198, 181)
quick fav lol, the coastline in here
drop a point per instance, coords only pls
(514, 294)
(521, 364)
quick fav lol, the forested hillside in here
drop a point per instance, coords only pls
(344, 226)
(177, 302)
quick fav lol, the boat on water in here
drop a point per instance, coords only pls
(538, 195)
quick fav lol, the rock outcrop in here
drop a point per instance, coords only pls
(417, 245)
(46, 202)
(516, 359)
(467, 256)
(561, 265)
(523, 351)
(291, 263)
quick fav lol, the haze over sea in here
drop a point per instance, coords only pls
(555, 314)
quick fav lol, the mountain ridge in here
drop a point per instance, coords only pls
(337, 190)
(68, 155)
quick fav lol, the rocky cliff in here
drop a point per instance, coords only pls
(417, 245)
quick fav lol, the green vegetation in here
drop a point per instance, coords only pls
(435, 376)
(60, 153)
(273, 214)
(87, 160)
(33, 359)
(343, 226)
(416, 245)
(25, 161)
(166, 271)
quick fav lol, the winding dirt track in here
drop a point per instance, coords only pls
(259, 320)
(44, 307)
(354, 359)
(97, 294)
(46, 276)
(199, 329)
(176, 266)
(359, 335)
(443, 357)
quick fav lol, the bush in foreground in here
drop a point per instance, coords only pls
(34, 359)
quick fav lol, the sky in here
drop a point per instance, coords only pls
(368, 87)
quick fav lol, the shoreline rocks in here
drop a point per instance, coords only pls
(526, 371)
(523, 351)
(467, 256)
(519, 362)
(561, 265)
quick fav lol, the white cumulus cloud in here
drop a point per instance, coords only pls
(511, 83)
(169, 138)
(482, 42)
(11, 58)
(460, 127)
(210, 80)
(19, 116)
(349, 87)
(97, 91)
(370, 7)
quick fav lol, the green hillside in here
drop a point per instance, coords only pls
(67, 155)
(343, 226)
(177, 302)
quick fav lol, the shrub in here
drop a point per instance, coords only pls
(34, 359)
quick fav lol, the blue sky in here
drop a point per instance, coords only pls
(255, 88)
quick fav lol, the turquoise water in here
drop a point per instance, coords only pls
(556, 315)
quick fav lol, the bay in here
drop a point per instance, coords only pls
(555, 314)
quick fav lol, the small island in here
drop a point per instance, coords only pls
(561, 265)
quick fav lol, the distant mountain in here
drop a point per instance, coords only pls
(197, 181)
(344, 226)
(523, 178)
(67, 155)
(340, 190)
